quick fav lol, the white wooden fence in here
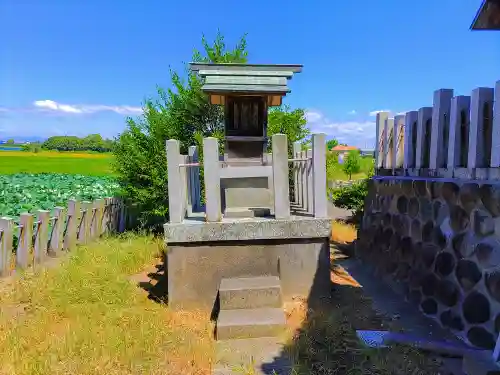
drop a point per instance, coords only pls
(48, 236)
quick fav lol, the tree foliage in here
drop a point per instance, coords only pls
(352, 163)
(92, 142)
(10, 141)
(331, 143)
(284, 120)
(182, 112)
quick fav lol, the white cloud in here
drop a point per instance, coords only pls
(353, 112)
(51, 105)
(354, 133)
(374, 113)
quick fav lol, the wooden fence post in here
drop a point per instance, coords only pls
(6, 235)
(122, 218)
(56, 238)
(96, 229)
(86, 220)
(42, 236)
(71, 235)
(25, 240)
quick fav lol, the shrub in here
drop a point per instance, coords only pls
(351, 197)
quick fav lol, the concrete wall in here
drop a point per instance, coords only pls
(439, 240)
(195, 270)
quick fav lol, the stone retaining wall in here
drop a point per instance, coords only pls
(441, 242)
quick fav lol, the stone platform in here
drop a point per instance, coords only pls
(200, 254)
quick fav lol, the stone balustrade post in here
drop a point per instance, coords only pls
(280, 177)
(410, 140)
(211, 165)
(174, 181)
(297, 147)
(460, 105)
(478, 151)
(319, 175)
(440, 128)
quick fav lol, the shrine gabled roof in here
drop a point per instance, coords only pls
(488, 16)
(245, 78)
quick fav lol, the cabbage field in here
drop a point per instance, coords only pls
(30, 192)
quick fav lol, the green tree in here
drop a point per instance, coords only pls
(183, 113)
(10, 141)
(283, 120)
(352, 163)
(331, 143)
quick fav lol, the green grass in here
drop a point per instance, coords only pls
(335, 171)
(86, 316)
(89, 164)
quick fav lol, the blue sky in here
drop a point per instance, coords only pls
(79, 67)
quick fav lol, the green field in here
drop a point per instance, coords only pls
(33, 181)
(89, 164)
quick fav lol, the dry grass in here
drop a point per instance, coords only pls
(323, 339)
(87, 317)
(343, 233)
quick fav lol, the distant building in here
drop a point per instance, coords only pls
(488, 16)
(343, 150)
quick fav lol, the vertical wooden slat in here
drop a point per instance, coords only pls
(71, 236)
(106, 215)
(42, 236)
(56, 239)
(86, 217)
(99, 213)
(25, 240)
(6, 235)
(122, 219)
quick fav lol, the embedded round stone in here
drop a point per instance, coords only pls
(413, 207)
(406, 246)
(407, 188)
(447, 293)
(429, 284)
(476, 308)
(403, 272)
(492, 282)
(420, 188)
(483, 252)
(425, 208)
(490, 196)
(435, 189)
(481, 338)
(449, 192)
(483, 224)
(429, 252)
(439, 238)
(427, 231)
(436, 207)
(445, 263)
(459, 219)
(429, 306)
(402, 204)
(451, 320)
(469, 196)
(415, 230)
(468, 274)
(415, 296)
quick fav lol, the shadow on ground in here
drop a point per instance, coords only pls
(324, 339)
(154, 281)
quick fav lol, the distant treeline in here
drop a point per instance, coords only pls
(92, 142)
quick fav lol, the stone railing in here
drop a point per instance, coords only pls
(309, 171)
(458, 137)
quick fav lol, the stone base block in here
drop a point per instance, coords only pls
(200, 255)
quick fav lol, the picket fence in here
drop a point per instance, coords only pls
(49, 236)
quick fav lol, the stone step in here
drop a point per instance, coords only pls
(250, 323)
(262, 355)
(250, 293)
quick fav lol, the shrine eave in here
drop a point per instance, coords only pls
(488, 16)
(256, 79)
